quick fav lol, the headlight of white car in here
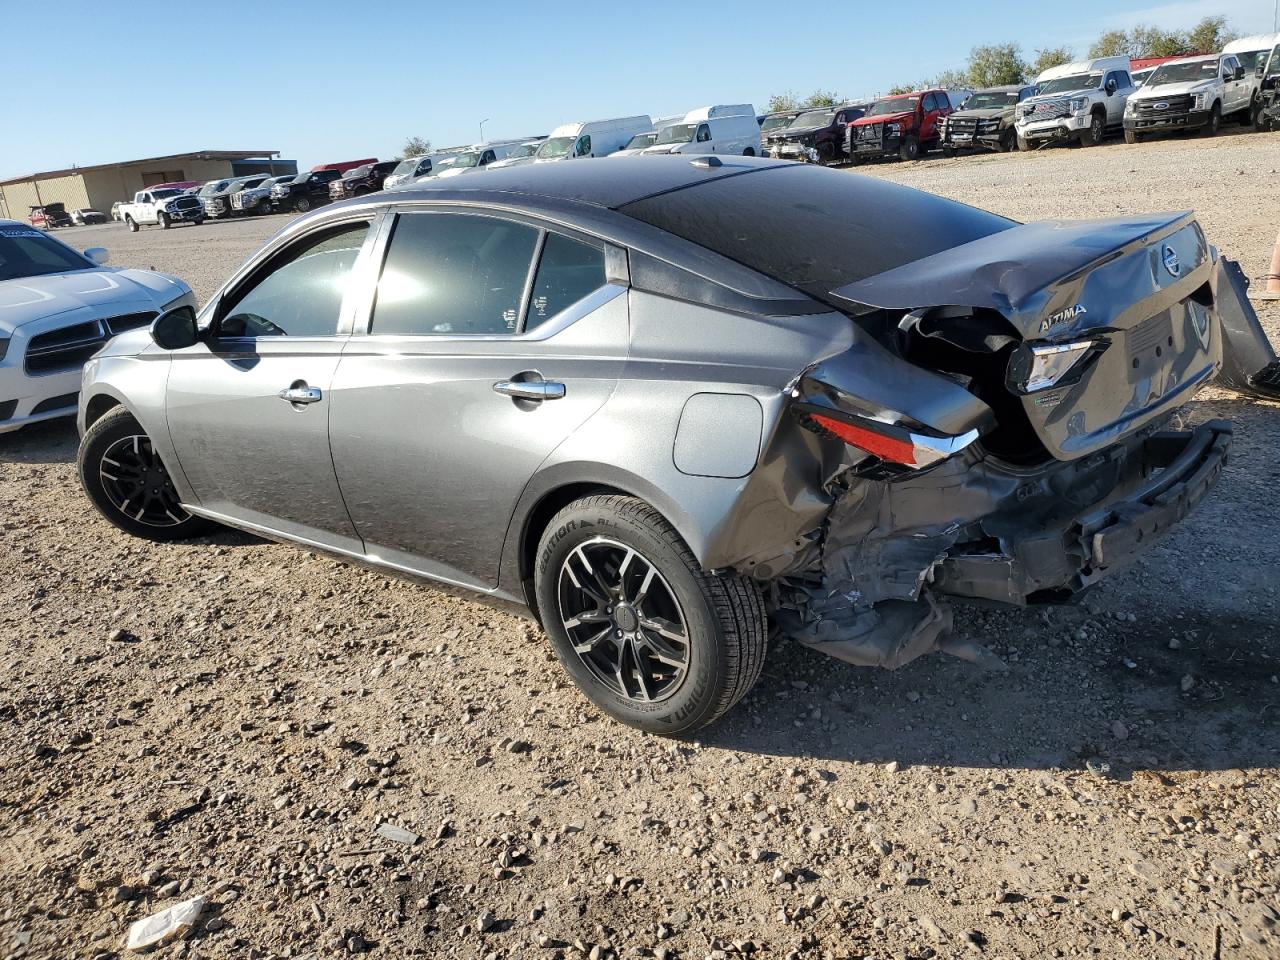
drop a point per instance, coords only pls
(1079, 104)
(1131, 107)
(1200, 100)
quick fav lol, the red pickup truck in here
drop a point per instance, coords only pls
(343, 166)
(904, 126)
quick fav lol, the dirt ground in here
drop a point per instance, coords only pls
(238, 719)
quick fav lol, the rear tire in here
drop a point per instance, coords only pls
(910, 148)
(126, 480)
(302, 204)
(1252, 117)
(712, 645)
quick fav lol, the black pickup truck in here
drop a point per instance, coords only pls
(304, 191)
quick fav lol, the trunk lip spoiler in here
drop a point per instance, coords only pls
(995, 272)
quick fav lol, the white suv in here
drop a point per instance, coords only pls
(1082, 101)
(1192, 93)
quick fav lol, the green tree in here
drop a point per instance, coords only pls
(784, 102)
(822, 98)
(1146, 40)
(902, 88)
(415, 147)
(951, 80)
(1210, 35)
(1051, 57)
(995, 65)
(1113, 43)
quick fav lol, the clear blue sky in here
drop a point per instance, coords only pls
(93, 82)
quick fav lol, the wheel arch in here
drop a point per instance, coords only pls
(98, 406)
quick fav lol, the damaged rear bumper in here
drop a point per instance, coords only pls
(986, 532)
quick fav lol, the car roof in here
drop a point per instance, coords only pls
(1005, 88)
(611, 185)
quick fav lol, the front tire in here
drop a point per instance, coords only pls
(302, 204)
(129, 484)
(645, 633)
(132, 224)
(1211, 128)
(1132, 136)
(1024, 145)
(910, 148)
(163, 220)
(1097, 131)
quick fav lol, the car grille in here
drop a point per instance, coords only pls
(1049, 110)
(186, 203)
(70, 347)
(56, 403)
(870, 132)
(1164, 106)
(965, 125)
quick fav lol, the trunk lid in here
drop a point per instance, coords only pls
(1136, 286)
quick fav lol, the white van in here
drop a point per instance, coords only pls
(522, 152)
(598, 138)
(413, 168)
(727, 128)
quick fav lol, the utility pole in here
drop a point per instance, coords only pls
(486, 119)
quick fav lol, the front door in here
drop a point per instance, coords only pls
(490, 341)
(248, 408)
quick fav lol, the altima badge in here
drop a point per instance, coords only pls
(1171, 262)
(1062, 316)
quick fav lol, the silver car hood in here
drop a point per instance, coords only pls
(97, 293)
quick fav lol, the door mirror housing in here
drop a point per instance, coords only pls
(1111, 87)
(1239, 74)
(98, 255)
(176, 329)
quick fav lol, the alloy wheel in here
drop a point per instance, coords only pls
(137, 484)
(623, 620)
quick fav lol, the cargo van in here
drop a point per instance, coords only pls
(1253, 54)
(598, 138)
(476, 157)
(726, 128)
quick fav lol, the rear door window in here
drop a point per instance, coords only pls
(449, 274)
(568, 271)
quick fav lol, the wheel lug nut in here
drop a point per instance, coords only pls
(617, 633)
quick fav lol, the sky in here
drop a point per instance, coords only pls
(324, 81)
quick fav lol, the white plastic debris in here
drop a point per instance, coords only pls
(168, 925)
(397, 834)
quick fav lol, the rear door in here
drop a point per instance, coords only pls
(490, 340)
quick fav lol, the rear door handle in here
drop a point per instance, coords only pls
(537, 390)
(301, 393)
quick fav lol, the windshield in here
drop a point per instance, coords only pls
(555, 147)
(773, 123)
(884, 108)
(405, 168)
(991, 101)
(459, 161)
(677, 133)
(525, 150)
(165, 193)
(1182, 72)
(814, 118)
(1080, 81)
(358, 172)
(211, 188)
(640, 141)
(27, 252)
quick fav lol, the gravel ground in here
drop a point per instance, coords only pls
(239, 719)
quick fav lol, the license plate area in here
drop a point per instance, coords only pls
(1150, 347)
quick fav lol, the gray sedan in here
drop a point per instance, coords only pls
(657, 403)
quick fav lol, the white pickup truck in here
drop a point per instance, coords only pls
(164, 206)
(1191, 93)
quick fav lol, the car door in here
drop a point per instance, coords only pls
(1118, 86)
(930, 114)
(248, 407)
(1236, 91)
(490, 340)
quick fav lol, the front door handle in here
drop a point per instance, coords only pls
(537, 390)
(301, 393)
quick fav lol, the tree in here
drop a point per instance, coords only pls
(1149, 41)
(1210, 35)
(1051, 57)
(415, 147)
(784, 102)
(822, 98)
(951, 80)
(995, 65)
(1113, 43)
(902, 88)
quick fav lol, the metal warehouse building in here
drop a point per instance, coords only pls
(99, 186)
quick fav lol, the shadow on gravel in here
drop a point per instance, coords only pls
(1115, 704)
(52, 441)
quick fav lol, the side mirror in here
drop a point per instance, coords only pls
(97, 254)
(1111, 87)
(1240, 72)
(176, 329)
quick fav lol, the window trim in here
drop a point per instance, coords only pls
(611, 289)
(253, 272)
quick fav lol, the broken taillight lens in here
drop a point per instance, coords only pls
(877, 444)
(1039, 367)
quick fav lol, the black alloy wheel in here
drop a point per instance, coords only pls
(623, 620)
(128, 482)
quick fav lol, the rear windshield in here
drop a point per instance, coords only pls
(813, 228)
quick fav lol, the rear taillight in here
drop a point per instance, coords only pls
(1034, 367)
(891, 443)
